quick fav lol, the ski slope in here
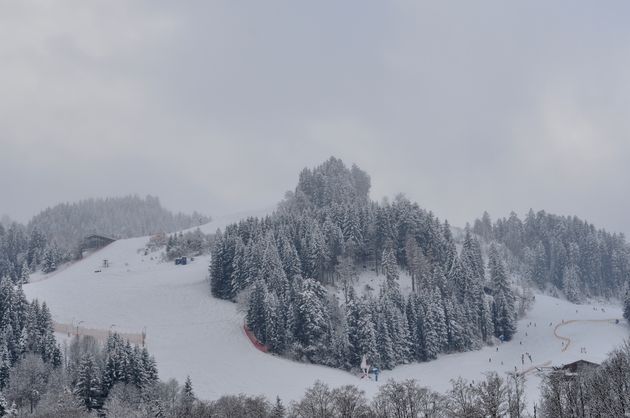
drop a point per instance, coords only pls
(591, 328)
(188, 331)
(191, 333)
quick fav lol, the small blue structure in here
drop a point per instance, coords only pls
(181, 261)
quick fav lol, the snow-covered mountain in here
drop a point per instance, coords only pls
(192, 333)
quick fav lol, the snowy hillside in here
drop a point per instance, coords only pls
(191, 333)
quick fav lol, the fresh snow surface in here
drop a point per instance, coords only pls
(597, 337)
(191, 333)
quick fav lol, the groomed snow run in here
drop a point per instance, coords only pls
(191, 333)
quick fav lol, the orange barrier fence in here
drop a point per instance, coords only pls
(262, 347)
(99, 334)
(567, 340)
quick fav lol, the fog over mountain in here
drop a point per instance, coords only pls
(465, 107)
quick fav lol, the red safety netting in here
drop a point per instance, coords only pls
(262, 347)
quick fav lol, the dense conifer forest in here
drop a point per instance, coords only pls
(566, 253)
(54, 235)
(297, 275)
(39, 376)
(321, 237)
(288, 266)
(119, 217)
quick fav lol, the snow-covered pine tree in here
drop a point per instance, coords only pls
(361, 330)
(253, 258)
(150, 367)
(472, 306)
(435, 332)
(271, 271)
(88, 385)
(5, 364)
(461, 278)
(483, 227)
(24, 273)
(486, 326)
(352, 226)
(456, 327)
(3, 405)
(257, 310)
(414, 259)
(51, 258)
(187, 390)
(384, 344)
(449, 249)
(138, 374)
(188, 397)
(276, 324)
(127, 362)
(346, 273)
(396, 318)
(220, 274)
(504, 312)
(471, 256)
(20, 307)
(278, 410)
(290, 259)
(240, 279)
(111, 373)
(312, 321)
(390, 267)
(340, 343)
(570, 280)
(414, 322)
(536, 264)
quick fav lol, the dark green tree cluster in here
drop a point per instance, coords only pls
(121, 217)
(22, 252)
(112, 379)
(503, 305)
(118, 363)
(565, 252)
(319, 238)
(25, 328)
(30, 355)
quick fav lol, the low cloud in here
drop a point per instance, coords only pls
(217, 106)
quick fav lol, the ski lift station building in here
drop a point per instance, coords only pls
(96, 242)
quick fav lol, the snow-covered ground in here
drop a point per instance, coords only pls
(537, 339)
(368, 282)
(191, 333)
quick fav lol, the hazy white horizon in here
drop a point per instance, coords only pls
(216, 107)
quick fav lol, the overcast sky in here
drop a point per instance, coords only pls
(216, 106)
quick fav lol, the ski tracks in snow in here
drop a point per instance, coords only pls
(567, 341)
